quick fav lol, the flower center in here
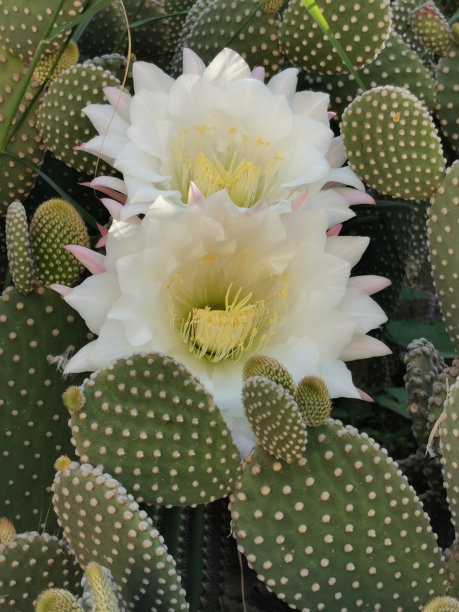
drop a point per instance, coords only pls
(246, 169)
(218, 334)
(244, 182)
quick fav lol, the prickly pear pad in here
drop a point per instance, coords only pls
(150, 422)
(332, 530)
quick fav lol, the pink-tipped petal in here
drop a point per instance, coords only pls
(335, 230)
(113, 207)
(331, 114)
(354, 196)
(364, 396)
(258, 73)
(103, 236)
(300, 200)
(61, 289)
(92, 261)
(370, 283)
(195, 196)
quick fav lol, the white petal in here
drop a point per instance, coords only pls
(105, 119)
(93, 298)
(369, 283)
(227, 67)
(149, 76)
(192, 63)
(284, 82)
(362, 309)
(350, 248)
(120, 101)
(313, 104)
(80, 362)
(338, 380)
(106, 147)
(363, 347)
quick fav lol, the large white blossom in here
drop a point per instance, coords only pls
(220, 127)
(212, 283)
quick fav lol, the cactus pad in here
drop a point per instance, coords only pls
(361, 28)
(392, 144)
(274, 418)
(33, 329)
(148, 420)
(54, 225)
(19, 251)
(449, 446)
(447, 107)
(222, 24)
(31, 563)
(61, 121)
(23, 24)
(442, 229)
(431, 28)
(103, 523)
(339, 529)
(16, 179)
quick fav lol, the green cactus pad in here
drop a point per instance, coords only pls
(361, 28)
(150, 422)
(155, 41)
(103, 523)
(258, 365)
(396, 65)
(431, 28)
(401, 22)
(274, 418)
(443, 232)
(449, 446)
(34, 329)
(61, 121)
(242, 25)
(16, 179)
(339, 529)
(20, 258)
(55, 224)
(105, 27)
(447, 108)
(31, 563)
(23, 24)
(392, 144)
(452, 566)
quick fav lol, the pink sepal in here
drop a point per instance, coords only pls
(300, 200)
(103, 236)
(61, 289)
(92, 261)
(258, 73)
(195, 196)
(335, 230)
(364, 396)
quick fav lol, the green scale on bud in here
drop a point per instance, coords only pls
(57, 600)
(54, 225)
(442, 604)
(313, 400)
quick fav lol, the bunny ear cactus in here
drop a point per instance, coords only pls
(392, 144)
(431, 28)
(33, 329)
(447, 107)
(243, 20)
(362, 29)
(67, 95)
(19, 250)
(24, 25)
(54, 225)
(23, 140)
(103, 523)
(443, 226)
(148, 419)
(31, 563)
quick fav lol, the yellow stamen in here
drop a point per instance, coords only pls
(218, 334)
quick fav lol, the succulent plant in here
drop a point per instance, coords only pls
(323, 515)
